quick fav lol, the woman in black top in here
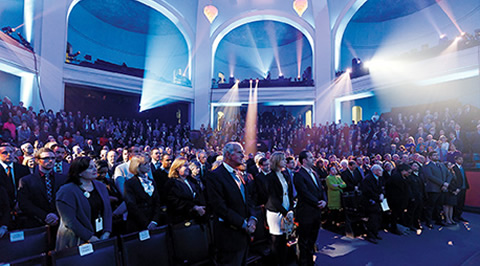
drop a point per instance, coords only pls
(141, 197)
(183, 201)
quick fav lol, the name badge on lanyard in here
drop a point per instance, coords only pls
(98, 224)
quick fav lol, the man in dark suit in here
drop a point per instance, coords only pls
(349, 178)
(261, 182)
(36, 193)
(437, 181)
(204, 168)
(373, 195)
(463, 185)
(161, 176)
(311, 201)
(10, 172)
(229, 200)
(60, 166)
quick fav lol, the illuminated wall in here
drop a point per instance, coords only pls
(401, 35)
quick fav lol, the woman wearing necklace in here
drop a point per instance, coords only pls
(141, 196)
(83, 205)
(183, 200)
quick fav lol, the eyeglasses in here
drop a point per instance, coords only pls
(47, 158)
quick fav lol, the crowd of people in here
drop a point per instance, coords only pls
(112, 177)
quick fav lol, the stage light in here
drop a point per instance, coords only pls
(211, 12)
(349, 70)
(458, 38)
(8, 30)
(443, 36)
(300, 6)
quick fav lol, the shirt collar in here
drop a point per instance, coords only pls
(229, 168)
(4, 165)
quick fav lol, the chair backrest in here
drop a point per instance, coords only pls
(190, 243)
(38, 260)
(151, 251)
(104, 253)
(23, 243)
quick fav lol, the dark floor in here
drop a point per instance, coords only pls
(453, 245)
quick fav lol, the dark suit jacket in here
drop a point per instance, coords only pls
(32, 197)
(371, 190)
(160, 177)
(398, 191)
(19, 171)
(308, 195)
(275, 194)
(349, 179)
(75, 221)
(459, 178)
(5, 215)
(181, 200)
(142, 208)
(230, 210)
(261, 189)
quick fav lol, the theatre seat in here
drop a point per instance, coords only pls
(23, 243)
(190, 244)
(152, 251)
(38, 260)
(104, 253)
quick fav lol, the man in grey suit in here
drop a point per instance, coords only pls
(437, 181)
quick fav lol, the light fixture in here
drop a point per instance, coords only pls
(300, 6)
(211, 12)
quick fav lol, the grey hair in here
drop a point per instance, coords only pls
(229, 148)
(376, 167)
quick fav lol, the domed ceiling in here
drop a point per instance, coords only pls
(383, 10)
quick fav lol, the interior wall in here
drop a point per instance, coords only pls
(401, 35)
(10, 86)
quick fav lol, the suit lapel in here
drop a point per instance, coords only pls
(233, 184)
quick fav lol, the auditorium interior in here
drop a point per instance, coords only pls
(381, 85)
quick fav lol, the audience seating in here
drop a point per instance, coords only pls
(354, 211)
(25, 243)
(152, 251)
(104, 253)
(38, 260)
(190, 243)
(260, 247)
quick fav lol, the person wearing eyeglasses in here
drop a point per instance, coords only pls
(10, 174)
(36, 193)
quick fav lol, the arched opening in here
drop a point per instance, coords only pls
(129, 37)
(264, 49)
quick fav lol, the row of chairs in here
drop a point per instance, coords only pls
(182, 244)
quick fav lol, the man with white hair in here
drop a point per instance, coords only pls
(234, 222)
(372, 189)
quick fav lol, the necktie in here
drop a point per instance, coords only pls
(48, 186)
(314, 177)
(9, 174)
(463, 177)
(239, 182)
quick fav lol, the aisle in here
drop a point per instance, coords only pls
(455, 245)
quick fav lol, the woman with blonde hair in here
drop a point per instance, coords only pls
(183, 198)
(141, 196)
(279, 206)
